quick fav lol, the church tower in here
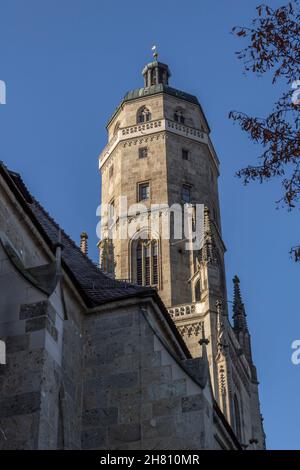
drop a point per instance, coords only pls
(159, 152)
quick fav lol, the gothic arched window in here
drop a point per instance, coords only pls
(197, 291)
(237, 418)
(143, 115)
(146, 256)
(179, 116)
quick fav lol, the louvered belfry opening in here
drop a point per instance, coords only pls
(147, 262)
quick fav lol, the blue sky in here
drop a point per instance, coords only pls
(68, 63)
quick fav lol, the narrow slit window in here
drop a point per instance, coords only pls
(197, 291)
(154, 264)
(139, 265)
(186, 193)
(185, 154)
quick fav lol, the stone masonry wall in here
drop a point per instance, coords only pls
(40, 384)
(135, 394)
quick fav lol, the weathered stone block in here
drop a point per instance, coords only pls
(129, 413)
(19, 432)
(123, 380)
(189, 425)
(47, 438)
(157, 374)
(52, 330)
(100, 416)
(12, 328)
(69, 386)
(93, 438)
(166, 406)
(146, 411)
(159, 427)
(175, 388)
(35, 324)
(33, 310)
(151, 359)
(17, 343)
(123, 433)
(24, 403)
(114, 351)
(193, 403)
(123, 397)
(110, 323)
(24, 382)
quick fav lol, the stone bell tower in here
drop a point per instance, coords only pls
(159, 152)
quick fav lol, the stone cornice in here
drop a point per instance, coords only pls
(152, 127)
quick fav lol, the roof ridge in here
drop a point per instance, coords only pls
(93, 265)
(56, 224)
(22, 188)
(95, 286)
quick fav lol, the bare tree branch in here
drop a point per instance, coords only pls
(274, 46)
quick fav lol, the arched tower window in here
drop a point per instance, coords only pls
(197, 291)
(143, 115)
(179, 116)
(237, 418)
(146, 259)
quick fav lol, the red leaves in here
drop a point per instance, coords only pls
(263, 9)
(274, 37)
(268, 10)
(282, 151)
(268, 135)
(274, 45)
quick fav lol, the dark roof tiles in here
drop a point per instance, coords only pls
(94, 283)
(95, 287)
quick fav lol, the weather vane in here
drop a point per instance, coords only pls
(155, 53)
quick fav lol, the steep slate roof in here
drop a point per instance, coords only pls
(160, 88)
(154, 90)
(95, 286)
